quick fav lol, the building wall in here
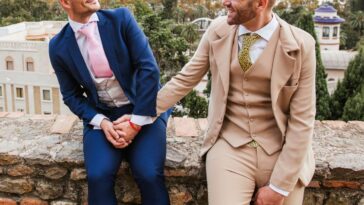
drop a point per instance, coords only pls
(330, 42)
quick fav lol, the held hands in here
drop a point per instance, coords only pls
(112, 135)
(128, 129)
(267, 196)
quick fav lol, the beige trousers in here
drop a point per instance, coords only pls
(234, 174)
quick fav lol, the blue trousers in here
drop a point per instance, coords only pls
(146, 156)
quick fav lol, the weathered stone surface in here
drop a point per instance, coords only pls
(16, 186)
(314, 184)
(48, 190)
(343, 184)
(8, 159)
(71, 191)
(20, 170)
(78, 174)
(63, 124)
(338, 199)
(62, 203)
(361, 202)
(313, 198)
(32, 201)
(179, 197)
(15, 114)
(5, 201)
(185, 127)
(55, 172)
(3, 114)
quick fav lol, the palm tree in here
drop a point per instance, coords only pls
(357, 21)
(190, 33)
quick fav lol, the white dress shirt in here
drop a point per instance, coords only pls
(255, 51)
(81, 41)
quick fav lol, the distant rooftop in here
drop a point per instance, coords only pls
(31, 31)
(338, 60)
(326, 9)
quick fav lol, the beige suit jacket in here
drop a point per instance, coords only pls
(292, 94)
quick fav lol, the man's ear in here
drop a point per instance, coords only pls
(66, 4)
(263, 4)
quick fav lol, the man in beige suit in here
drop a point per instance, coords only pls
(262, 105)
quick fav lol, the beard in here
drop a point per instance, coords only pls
(243, 14)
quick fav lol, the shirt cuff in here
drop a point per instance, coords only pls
(96, 121)
(141, 120)
(280, 191)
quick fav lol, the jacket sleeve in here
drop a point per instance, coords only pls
(145, 65)
(190, 75)
(73, 94)
(300, 124)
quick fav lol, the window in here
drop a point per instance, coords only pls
(29, 64)
(335, 32)
(325, 32)
(1, 109)
(9, 63)
(47, 113)
(331, 79)
(1, 91)
(46, 95)
(20, 110)
(20, 93)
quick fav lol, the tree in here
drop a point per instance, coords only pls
(349, 87)
(169, 6)
(300, 17)
(357, 21)
(190, 33)
(354, 107)
(193, 105)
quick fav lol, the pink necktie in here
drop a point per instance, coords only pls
(99, 63)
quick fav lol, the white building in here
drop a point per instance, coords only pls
(327, 27)
(27, 80)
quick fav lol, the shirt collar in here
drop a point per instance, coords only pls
(76, 26)
(265, 32)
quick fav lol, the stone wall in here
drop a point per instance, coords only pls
(41, 163)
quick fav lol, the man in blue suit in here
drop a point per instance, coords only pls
(106, 69)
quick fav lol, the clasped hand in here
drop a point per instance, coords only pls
(119, 133)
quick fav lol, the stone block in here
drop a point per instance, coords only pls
(16, 186)
(203, 124)
(15, 114)
(5, 201)
(9, 159)
(3, 114)
(62, 203)
(71, 191)
(78, 174)
(313, 198)
(20, 170)
(341, 184)
(334, 124)
(55, 172)
(338, 199)
(32, 201)
(185, 127)
(314, 184)
(361, 202)
(48, 190)
(63, 124)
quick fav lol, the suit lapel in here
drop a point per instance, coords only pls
(222, 48)
(108, 41)
(283, 65)
(78, 60)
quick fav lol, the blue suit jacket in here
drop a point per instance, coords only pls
(130, 58)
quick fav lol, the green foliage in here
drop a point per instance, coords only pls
(15, 11)
(207, 90)
(194, 106)
(354, 107)
(300, 17)
(348, 88)
(357, 5)
(169, 7)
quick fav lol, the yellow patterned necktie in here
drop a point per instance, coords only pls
(244, 58)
